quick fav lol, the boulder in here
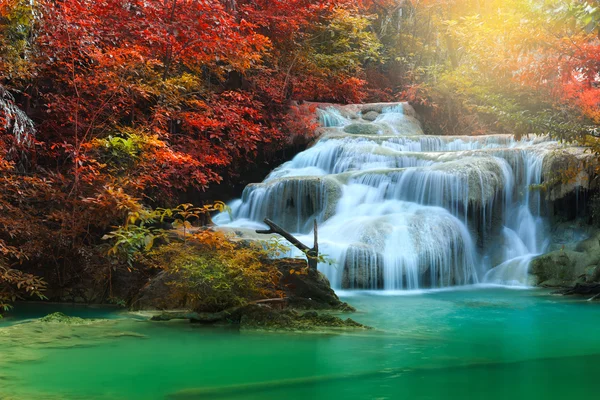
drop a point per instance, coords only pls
(481, 178)
(258, 317)
(366, 129)
(158, 294)
(589, 245)
(363, 268)
(370, 116)
(292, 202)
(564, 268)
(307, 288)
(557, 162)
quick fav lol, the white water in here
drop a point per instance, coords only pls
(400, 210)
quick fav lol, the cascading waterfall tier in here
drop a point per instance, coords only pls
(398, 209)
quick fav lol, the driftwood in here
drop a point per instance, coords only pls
(312, 254)
(583, 289)
(596, 297)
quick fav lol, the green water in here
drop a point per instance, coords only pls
(463, 344)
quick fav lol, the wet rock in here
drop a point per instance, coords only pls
(570, 235)
(370, 116)
(560, 160)
(363, 268)
(294, 202)
(563, 268)
(589, 245)
(558, 268)
(366, 129)
(592, 291)
(309, 289)
(407, 109)
(592, 274)
(482, 177)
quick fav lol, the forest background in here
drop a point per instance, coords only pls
(113, 112)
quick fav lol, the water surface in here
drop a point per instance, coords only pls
(469, 343)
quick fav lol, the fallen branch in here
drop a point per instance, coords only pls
(312, 254)
(583, 289)
(596, 297)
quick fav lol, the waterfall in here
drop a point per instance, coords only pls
(398, 209)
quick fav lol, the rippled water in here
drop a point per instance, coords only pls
(471, 343)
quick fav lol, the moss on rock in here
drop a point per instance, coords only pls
(266, 318)
(370, 115)
(365, 129)
(61, 318)
(559, 169)
(292, 201)
(562, 268)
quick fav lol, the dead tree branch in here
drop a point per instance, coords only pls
(312, 254)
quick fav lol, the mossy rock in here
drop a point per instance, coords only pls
(160, 293)
(61, 318)
(558, 268)
(266, 318)
(364, 129)
(308, 290)
(370, 116)
(304, 289)
(363, 267)
(292, 202)
(589, 245)
(572, 158)
(564, 268)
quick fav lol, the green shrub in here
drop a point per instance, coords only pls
(216, 274)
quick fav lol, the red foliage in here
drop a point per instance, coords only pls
(141, 101)
(112, 105)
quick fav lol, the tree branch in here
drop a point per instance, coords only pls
(312, 254)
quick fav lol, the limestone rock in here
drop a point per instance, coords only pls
(24, 341)
(561, 160)
(565, 268)
(589, 245)
(365, 129)
(363, 268)
(293, 202)
(370, 116)
(483, 175)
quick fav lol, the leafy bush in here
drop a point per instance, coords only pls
(216, 273)
(16, 284)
